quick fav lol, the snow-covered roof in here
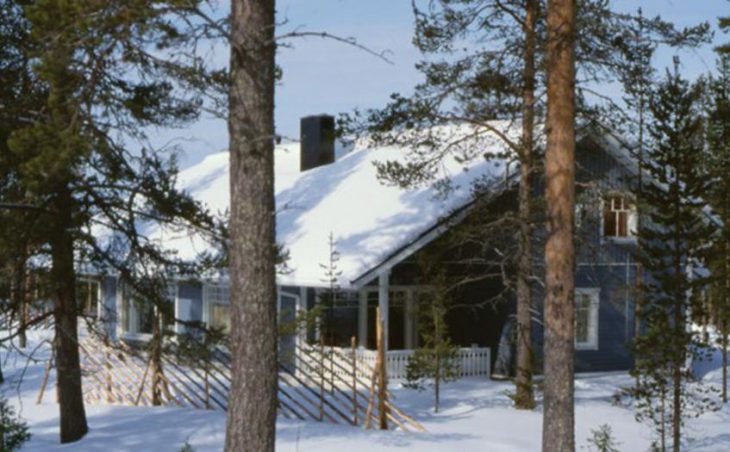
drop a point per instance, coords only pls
(367, 219)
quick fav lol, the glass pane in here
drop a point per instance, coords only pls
(623, 219)
(145, 317)
(220, 317)
(126, 326)
(582, 317)
(609, 223)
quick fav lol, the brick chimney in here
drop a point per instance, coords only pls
(317, 141)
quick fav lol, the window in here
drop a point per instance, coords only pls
(586, 319)
(138, 313)
(217, 299)
(619, 217)
(339, 317)
(87, 296)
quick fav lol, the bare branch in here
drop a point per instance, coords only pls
(325, 35)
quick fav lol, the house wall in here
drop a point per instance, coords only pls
(607, 263)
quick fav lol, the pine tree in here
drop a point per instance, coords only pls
(718, 168)
(636, 77)
(558, 413)
(76, 161)
(328, 298)
(19, 94)
(435, 361)
(252, 405)
(13, 431)
(674, 236)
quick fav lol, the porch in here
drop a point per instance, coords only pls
(355, 316)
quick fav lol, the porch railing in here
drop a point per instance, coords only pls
(472, 361)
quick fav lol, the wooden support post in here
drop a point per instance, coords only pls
(207, 386)
(321, 378)
(141, 385)
(384, 305)
(362, 318)
(109, 383)
(371, 398)
(332, 368)
(382, 375)
(353, 346)
(45, 381)
(88, 297)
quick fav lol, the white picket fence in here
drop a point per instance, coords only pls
(473, 361)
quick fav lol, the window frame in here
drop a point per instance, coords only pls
(130, 317)
(208, 302)
(631, 217)
(594, 293)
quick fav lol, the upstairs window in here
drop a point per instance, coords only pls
(619, 217)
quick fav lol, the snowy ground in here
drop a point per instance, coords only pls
(476, 415)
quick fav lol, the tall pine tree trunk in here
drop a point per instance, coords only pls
(63, 281)
(18, 291)
(24, 303)
(252, 407)
(439, 348)
(524, 398)
(725, 313)
(724, 339)
(558, 417)
(678, 340)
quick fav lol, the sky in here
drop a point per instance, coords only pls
(324, 76)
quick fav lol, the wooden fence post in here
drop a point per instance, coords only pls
(321, 378)
(141, 385)
(45, 380)
(109, 386)
(207, 385)
(353, 344)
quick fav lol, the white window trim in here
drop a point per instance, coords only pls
(595, 294)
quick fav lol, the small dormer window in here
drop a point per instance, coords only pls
(619, 217)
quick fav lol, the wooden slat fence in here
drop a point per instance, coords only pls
(323, 384)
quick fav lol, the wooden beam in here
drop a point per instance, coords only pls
(384, 305)
(362, 319)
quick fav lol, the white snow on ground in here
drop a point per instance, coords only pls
(367, 219)
(476, 416)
